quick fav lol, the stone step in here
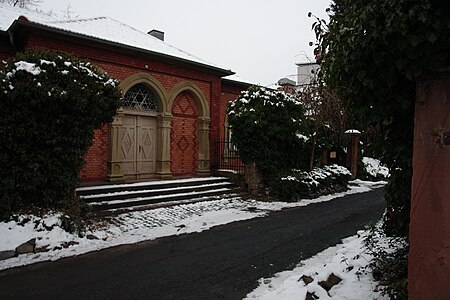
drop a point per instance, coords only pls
(118, 211)
(147, 185)
(122, 195)
(105, 205)
(133, 196)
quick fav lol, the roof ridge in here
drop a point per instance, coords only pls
(61, 21)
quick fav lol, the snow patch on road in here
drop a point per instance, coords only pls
(349, 261)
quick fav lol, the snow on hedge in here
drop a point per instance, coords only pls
(375, 168)
(317, 175)
(65, 68)
(270, 98)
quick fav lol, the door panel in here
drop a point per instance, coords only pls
(138, 146)
(127, 135)
(146, 152)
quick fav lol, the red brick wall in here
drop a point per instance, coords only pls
(96, 158)
(183, 135)
(120, 64)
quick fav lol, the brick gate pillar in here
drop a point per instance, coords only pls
(352, 151)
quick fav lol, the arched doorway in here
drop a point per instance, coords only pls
(137, 134)
(183, 136)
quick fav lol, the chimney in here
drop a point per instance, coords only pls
(157, 34)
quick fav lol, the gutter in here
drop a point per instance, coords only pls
(23, 23)
(235, 82)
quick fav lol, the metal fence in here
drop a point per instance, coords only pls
(226, 157)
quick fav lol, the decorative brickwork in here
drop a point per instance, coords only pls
(183, 136)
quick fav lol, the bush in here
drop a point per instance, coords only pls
(390, 263)
(265, 125)
(372, 169)
(50, 104)
(297, 184)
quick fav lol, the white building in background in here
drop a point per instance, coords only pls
(306, 72)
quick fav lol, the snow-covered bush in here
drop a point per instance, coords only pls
(374, 169)
(50, 104)
(389, 264)
(298, 184)
(265, 125)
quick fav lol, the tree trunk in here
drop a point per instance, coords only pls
(313, 148)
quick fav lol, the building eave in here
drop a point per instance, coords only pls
(27, 24)
(234, 82)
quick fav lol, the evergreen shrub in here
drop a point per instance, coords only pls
(50, 104)
(264, 126)
(297, 184)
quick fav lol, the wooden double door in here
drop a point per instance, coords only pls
(138, 146)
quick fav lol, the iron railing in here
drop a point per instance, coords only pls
(226, 157)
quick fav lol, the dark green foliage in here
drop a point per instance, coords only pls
(264, 125)
(294, 185)
(372, 53)
(47, 121)
(73, 224)
(389, 264)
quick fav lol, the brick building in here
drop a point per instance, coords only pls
(174, 103)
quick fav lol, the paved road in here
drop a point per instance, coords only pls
(222, 263)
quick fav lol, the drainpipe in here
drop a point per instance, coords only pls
(12, 30)
(11, 39)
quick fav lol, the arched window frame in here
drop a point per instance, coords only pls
(140, 98)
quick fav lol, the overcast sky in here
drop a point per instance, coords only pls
(260, 40)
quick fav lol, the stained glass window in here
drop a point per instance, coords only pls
(140, 97)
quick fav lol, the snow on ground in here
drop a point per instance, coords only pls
(348, 261)
(375, 168)
(134, 227)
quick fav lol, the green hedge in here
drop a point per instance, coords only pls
(50, 104)
(265, 125)
(296, 184)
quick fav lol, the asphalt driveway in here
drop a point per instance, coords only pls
(224, 262)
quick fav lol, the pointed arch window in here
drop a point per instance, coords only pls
(140, 97)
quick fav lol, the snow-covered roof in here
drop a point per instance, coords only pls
(238, 79)
(103, 29)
